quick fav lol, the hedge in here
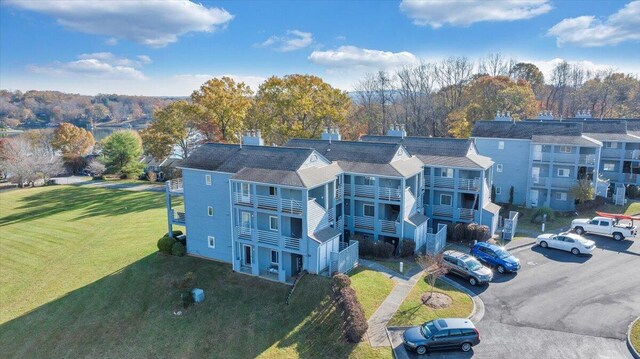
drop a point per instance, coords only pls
(351, 310)
(376, 249)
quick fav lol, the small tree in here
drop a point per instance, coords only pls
(74, 142)
(511, 195)
(96, 168)
(493, 193)
(583, 191)
(434, 266)
(122, 150)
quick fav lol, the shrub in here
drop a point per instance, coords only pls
(482, 233)
(376, 249)
(341, 281)
(511, 195)
(633, 191)
(152, 176)
(352, 313)
(470, 232)
(165, 244)
(178, 249)
(539, 213)
(408, 248)
(459, 232)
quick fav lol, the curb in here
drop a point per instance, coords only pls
(634, 352)
(522, 245)
(478, 305)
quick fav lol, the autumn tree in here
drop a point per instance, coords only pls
(222, 106)
(583, 190)
(434, 267)
(530, 73)
(122, 151)
(74, 143)
(26, 161)
(173, 125)
(297, 106)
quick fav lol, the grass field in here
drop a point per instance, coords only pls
(371, 287)
(394, 264)
(413, 312)
(80, 278)
(635, 336)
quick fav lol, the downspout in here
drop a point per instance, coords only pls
(233, 237)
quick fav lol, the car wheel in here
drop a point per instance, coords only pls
(473, 281)
(618, 236)
(575, 251)
(501, 269)
(421, 350)
(544, 244)
(465, 347)
(579, 230)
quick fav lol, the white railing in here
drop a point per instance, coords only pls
(435, 242)
(539, 181)
(364, 222)
(390, 194)
(244, 233)
(442, 210)
(563, 182)
(611, 152)
(630, 177)
(444, 182)
(344, 260)
(347, 190)
(242, 199)
(564, 157)
(362, 190)
(292, 243)
(340, 224)
(388, 226)
(178, 216)
(331, 214)
(339, 192)
(267, 202)
(469, 184)
(632, 154)
(541, 156)
(268, 237)
(291, 206)
(175, 185)
(466, 213)
(427, 181)
(588, 159)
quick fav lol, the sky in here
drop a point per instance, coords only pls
(169, 48)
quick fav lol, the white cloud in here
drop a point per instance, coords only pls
(155, 23)
(436, 13)
(293, 40)
(103, 65)
(351, 56)
(546, 66)
(589, 31)
(112, 41)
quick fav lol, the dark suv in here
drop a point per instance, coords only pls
(449, 333)
(466, 266)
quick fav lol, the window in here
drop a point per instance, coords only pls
(565, 149)
(400, 152)
(594, 222)
(447, 172)
(273, 223)
(498, 190)
(274, 257)
(609, 166)
(273, 191)
(441, 334)
(313, 158)
(561, 196)
(455, 333)
(604, 223)
(369, 181)
(446, 199)
(611, 144)
(499, 167)
(501, 145)
(210, 211)
(563, 172)
(211, 241)
(207, 179)
(244, 188)
(368, 210)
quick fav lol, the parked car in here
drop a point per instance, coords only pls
(604, 226)
(466, 266)
(569, 242)
(448, 333)
(496, 257)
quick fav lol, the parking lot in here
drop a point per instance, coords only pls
(558, 305)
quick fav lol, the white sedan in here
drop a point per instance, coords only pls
(569, 242)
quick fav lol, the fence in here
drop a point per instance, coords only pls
(510, 226)
(436, 241)
(344, 260)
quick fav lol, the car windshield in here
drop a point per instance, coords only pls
(501, 253)
(473, 264)
(428, 329)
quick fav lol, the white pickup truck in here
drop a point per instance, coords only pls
(604, 226)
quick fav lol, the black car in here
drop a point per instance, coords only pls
(448, 333)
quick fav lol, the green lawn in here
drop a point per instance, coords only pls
(413, 312)
(371, 287)
(80, 278)
(394, 264)
(635, 335)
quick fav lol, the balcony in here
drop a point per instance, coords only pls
(632, 154)
(611, 153)
(177, 217)
(243, 199)
(466, 213)
(587, 160)
(367, 191)
(175, 186)
(468, 184)
(562, 182)
(286, 205)
(245, 233)
(270, 238)
(444, 182)
(389, 226)
(364, 222)
(541, 156)
(442, 210)
(562, 157)
(539, 181)
(339, 192)
(267, 202)
(390, 194)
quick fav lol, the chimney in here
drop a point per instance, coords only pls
(252, 138)
(331, 134)
(584, 114)
(545, 115)
(397, 130)
(503, 116)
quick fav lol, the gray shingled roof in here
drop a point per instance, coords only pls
(438, 151)
(525, 129)
(566, 140)
(619, 130)
(492, 207)
(363, 157)
(325, 234)
(417, 219)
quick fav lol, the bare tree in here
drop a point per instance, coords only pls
(25, 162)
(434, 266)
(415, 89)
(384, 92)
(495, 65)
(451, 75)
(366, 97)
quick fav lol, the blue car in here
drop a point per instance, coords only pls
(497, 257)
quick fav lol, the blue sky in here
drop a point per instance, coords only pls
(171, 47)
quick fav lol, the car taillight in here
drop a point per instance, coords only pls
(477, 332)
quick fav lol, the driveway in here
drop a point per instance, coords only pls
(559, 305)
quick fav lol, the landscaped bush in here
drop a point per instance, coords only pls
(152, 176)
(539, 213)
(178, 249)
(165, 244)
(341, 280)
(633, 191)
(468, 232)
(375, 249)
(408, 248)
(459, 232)
(482, 233)
(352, 311)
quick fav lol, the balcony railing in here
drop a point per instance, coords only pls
(444, 182)
(243, 199)
(611, 152)
(588, 160)
(541, 156)
(469, 184)
(539, 181)
(268, 237)
(442, 210)
(362, 190)
(176, 185)
(563, 182)
(364, 222)
(267, 202)
(564, 157)
(331, 214)
(388, 226)
(632, 154)
(391, 194)
(292, 206)
(466, 213)
(244, 233)
(339, 192)
(292, 242)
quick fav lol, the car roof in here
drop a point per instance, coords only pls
(572, 235)
(456, 254)
(453, 323)
(487, 245)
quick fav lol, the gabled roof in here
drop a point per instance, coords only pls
(439, 151)
(566, 140)
(273, 165)
(362, 157)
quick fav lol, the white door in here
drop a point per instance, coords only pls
(537, 152)
(245, 219)
(535, 174)
(244, 192)
(533, 197)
